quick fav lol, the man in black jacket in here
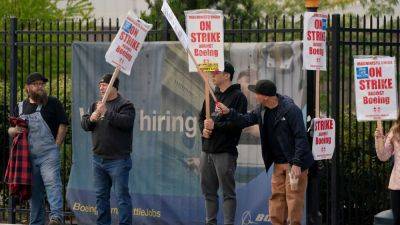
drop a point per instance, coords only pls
(111, 125)
(219, 152)
(284, 143)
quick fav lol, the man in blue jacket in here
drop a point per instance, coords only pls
(284, 143)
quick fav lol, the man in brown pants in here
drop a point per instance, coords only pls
(284, 143)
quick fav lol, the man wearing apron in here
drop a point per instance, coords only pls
(47, 124)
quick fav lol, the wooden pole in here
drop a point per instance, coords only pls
(203, 75)
(113, 78)
(207, 88)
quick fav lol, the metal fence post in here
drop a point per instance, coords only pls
(335, 59)
(13, 64)
(165, 32)
(13, 96)
(313, 215)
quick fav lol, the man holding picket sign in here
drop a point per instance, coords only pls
(219, 149)
(218, 159)
(111, 123)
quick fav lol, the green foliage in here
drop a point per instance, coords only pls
(78, 8)
(380, 7)
(251, 10)
(244, 9)
(3, 127)
(40, 9)
(46, 9)
(293, 7)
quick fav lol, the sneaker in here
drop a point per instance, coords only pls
(55, 221)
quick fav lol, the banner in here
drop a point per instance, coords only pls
(128, 42)
(176, 26)
(206, 31)
(164, 180)
(323, 144)
(314, 41)
(375, 87)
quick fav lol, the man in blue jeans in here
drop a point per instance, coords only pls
(111, 125)
(47, 123)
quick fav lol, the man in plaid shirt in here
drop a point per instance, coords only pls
(47, 126)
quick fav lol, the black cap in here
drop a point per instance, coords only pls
(35, 76)
(229, 69)
(107, 78)
(264, 87)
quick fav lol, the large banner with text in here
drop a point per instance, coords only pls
(164, 180)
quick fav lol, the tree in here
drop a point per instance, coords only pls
(251, 10)
(376, 8)
(78, 8)
(245, 9)
(295, 7)
(46, 9)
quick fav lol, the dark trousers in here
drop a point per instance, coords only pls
(395, 202)
(218, 171)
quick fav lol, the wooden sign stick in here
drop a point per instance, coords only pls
(207, 88)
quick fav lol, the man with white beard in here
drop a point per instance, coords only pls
(47, 127)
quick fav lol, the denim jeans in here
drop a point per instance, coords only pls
(45, 160)
(46, 176)
(107, 174)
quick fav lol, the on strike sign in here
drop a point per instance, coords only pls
(314, 41)
(324, 138)
(206, 34)
(128, 42)
(375, 84)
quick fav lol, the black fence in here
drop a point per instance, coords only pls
(353, 185)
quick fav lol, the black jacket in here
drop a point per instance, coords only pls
(112, 136)
(226, 134)
(290, 132)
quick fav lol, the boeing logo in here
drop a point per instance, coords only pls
(246, 218)
(260, 218)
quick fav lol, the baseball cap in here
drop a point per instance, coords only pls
(263, 87)
(35, 76)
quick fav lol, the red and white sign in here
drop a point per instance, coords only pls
(205, 30)
(323, 145)
(314, 41)
(128, 42)
(375, 86)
